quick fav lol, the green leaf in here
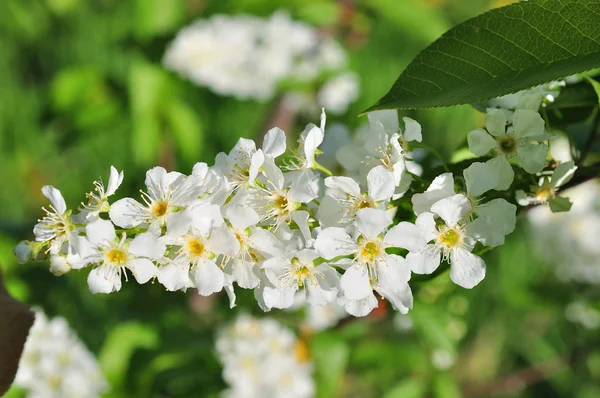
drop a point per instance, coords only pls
(331, 358)
(155, 17)
(596, 87)
(559, 204)
(499, 52)
(119, 347)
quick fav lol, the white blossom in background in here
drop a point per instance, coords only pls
(262, 358)
(248, 57)
(568, 240)
(56, 364)
(339, 92)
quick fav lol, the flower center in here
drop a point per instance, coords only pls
(450, 237)
(159, 209)
(507, 144)
(195, 247)
(369, 252)
(117, 257)
(543, 194)
(298, 274)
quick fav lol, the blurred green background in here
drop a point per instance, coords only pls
(82, 88)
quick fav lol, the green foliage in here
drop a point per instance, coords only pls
(500, 52)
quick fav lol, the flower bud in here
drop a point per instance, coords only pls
(59, 265)
(23, 252)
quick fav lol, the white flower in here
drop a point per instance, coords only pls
(370, 266)
(98, 199)
(382, 143)
(167, 193)
(295, 272)
(261, 358)
(113, 256)
(450, 241)
(338, 92)
(516, 140)
(56, 227)
(545, 192)
(344, 198)
(56, 364)
(255, 244)
(199, 240)
(247, 56)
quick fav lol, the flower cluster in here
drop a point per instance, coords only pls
(567, 240)
(276, 221)
(262, 358)
(248, 57)
(55, 363)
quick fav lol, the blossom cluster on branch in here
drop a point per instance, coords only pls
(276, 221)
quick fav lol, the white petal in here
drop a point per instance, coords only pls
(355, 283)
(316, 295)
(407, 236)
(372, 222)
(231, 294)
(502, 172)
(278, 298)
(205, 216)
(479, 179)
(412, 130)
(333, 242)
(128, 213)
(452, 209)
(114, 181)
(142, 269)
(563, 174)
(424, 262)
(331, 212)
(104, 279)
(100, 232)
(480, 142)
(532, 157)
(300, 217)
(200, 169)
(265, 242)
(223, 241)
(466, 269)
(55, 198)
(157, 181)
(345, 184)
(245, 274)
(495, 122)
(241, 217)
(441, 187)
(258, 158)
(380, 182)
(304, 185)
(174, 276)
(426, 223)
(147, 245)
(274, 142)
(527, 123)
(499, 214)
(208, 277)
(313, 139)
(178, 224)
(387, 118)
(361, 308)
